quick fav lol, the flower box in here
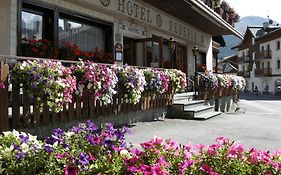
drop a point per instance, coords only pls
(219, 11)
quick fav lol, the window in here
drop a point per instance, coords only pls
(278, 64)
(32, 26)
(36, 36)
(87, 37)
(278, 45)
(44, 30)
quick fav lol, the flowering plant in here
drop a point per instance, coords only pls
(131, 82)
(85, 149)
(73, 53)
(2, 85)
(177, 80)
(238, 82)
(18, 152)
(225, 6)
(37, 48)
(224, 81)
(98, 80)
(48, 82)
(100, 56)
(157, 81)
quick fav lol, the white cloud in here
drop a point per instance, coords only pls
(260, 8)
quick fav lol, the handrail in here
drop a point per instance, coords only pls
(11, 59)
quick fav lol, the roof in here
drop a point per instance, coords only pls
(256, 31)
(230, 59)
(199, 15)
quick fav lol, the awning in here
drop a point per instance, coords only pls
(197, 14)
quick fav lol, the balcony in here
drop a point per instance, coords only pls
(263, 72)
(266, 54)
(244, 59)
(244, 73)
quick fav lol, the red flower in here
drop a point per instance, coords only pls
(77, 52)
(75, 47)
(35, 50)
(67, 44)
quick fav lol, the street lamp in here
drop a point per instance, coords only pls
(195, 53)
(172, 47)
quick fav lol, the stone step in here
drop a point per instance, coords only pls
(184, 96)
(193, 103)
(198, 110)
(207, 115)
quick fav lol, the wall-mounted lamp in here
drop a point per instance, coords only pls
(172, 47)
(195, 53)
(172, 44)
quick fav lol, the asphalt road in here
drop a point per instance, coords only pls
(256, 124)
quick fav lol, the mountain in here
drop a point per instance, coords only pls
(241, 26)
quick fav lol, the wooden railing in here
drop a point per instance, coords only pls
(243, 73)
(19, 111)
(266, 54)
(263, 72)
(244, 59)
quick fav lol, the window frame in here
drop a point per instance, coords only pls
(277, 45)
(54, 12)
(107, 27)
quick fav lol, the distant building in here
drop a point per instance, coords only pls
(259, 57)
(228, 65)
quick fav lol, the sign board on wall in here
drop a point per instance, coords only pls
(152, 17)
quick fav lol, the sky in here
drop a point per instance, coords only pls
(262, 8)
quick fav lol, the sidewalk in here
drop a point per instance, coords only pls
(256, 124)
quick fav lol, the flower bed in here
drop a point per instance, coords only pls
(85, 149)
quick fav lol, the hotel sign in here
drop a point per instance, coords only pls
(152, 17)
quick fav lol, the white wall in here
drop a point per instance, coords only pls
(8, 27)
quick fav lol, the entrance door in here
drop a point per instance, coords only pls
(181, 60)
(146, 52)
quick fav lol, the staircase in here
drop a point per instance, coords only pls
(184, 107)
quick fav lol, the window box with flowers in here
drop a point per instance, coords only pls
(74, 53)
(41, 48)
(225, 6)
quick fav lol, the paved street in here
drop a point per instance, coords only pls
(256, 124)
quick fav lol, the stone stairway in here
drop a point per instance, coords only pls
(184, 107)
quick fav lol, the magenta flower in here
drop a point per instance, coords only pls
(71, 170)
(222, 140)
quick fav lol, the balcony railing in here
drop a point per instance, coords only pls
(244, 73)
(263, 72)
(267, 54)
(244, 59)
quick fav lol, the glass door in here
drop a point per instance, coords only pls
(149, 52)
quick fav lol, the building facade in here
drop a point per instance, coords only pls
(135, 32)
(259, 59)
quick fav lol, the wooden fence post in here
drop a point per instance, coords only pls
(4, 97)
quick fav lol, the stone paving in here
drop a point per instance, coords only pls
(256, 124)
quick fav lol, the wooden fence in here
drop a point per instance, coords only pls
(19, 111)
